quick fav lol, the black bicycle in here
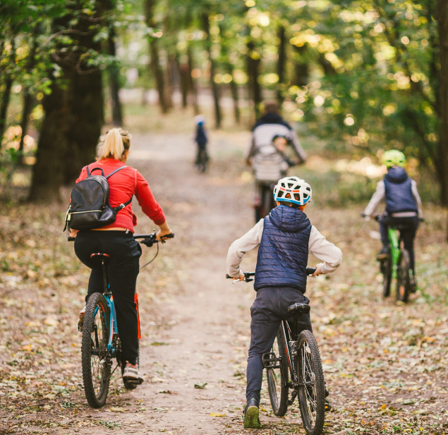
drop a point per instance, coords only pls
(294, 369)
(100, 337)
(201, 160)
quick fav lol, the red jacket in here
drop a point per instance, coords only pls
(123, 185)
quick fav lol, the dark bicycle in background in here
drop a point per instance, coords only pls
(100, 336)
(294, 369)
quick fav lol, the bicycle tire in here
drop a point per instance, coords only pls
(96, 390)
(386, 270)
(311, 383)
(278, 378)
(267, 201)
(403, 278)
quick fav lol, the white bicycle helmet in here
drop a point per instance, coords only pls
(293, 190)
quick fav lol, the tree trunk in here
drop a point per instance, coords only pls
(84, 123)
(7, 92)
(281, 64)
(169, 82)
(48, 172)
(301, 68)
(155, 58)
(182, 67)
(114, 84)
(234, 92)
(443, 93)
(27, 96)
(213, 85)
(193, 89)
(253, 72)
(86, 115)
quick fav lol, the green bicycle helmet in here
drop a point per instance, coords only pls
(393, 158)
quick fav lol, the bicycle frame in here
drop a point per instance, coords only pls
(287, 336)
(395, 250)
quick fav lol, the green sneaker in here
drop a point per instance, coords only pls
(251, 415)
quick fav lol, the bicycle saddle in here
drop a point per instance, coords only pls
(97, 257)
(297, 309)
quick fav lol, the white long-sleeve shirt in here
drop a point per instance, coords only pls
(318, 245)
(380, 194)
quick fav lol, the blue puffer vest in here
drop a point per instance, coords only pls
(398, 187)
(283, 252)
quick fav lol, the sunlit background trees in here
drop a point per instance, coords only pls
(363, 76)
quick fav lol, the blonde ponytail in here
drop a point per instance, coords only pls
(113, 144)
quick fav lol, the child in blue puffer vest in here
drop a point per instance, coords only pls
(403, 206)
(284, 238)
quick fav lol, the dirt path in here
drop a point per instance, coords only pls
(200, 344)
(385, 363)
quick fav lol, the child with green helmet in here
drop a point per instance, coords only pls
(403, 205)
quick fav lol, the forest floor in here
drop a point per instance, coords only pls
(385, 363)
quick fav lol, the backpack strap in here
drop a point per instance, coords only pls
(123, 205)
(116, 170)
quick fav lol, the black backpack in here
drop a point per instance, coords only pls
(89, 206)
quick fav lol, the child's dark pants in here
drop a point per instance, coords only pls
(268, 310)
(408, 233)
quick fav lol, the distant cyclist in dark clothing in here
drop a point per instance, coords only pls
(201, 140)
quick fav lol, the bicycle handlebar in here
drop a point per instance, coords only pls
(248, 275)
(148, 239)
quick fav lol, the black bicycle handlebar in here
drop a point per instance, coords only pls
(148, 239)
(248, 275)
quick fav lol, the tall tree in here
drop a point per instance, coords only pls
(205, 18)
(253, 73)
(281, 63)
(114, 80)
(154, 53)
(48, 175)
(442, 20)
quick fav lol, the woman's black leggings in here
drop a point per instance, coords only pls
(122, 271)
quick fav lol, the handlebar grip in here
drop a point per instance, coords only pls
(167, 236)
(310, 270)
(228, 276)
(71, 239)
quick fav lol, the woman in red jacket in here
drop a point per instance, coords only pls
(117, 241)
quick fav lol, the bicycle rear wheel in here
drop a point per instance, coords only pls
(278, 377)
(311, 384)
(386, 270)
(95, 365)
(403, 278)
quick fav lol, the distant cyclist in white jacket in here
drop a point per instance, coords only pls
(268, 163)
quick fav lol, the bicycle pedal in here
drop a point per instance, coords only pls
(133, 381)
(269, 360)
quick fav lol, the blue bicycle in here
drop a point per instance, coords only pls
(100, 337)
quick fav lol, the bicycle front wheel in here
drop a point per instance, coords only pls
(278, 377)
(311, 384)
(95, 364)
(403, 279)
